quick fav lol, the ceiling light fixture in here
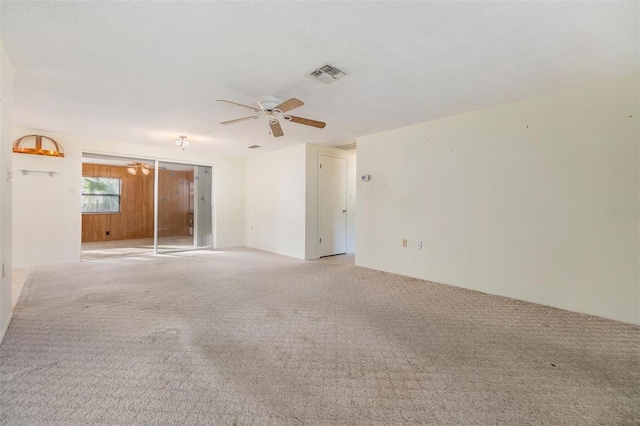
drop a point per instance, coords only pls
(182, 142)
(136, 167)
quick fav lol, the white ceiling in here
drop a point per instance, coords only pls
(147, 72)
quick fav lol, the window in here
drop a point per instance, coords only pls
(100, 195)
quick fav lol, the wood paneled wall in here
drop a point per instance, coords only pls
(135, 219)
(173, 203)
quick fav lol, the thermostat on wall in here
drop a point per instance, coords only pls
(365, 178)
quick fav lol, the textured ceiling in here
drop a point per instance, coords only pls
(146, 72)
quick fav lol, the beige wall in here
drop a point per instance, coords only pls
(282, 200)
(6, 121)
(536, 200)
(275, 200)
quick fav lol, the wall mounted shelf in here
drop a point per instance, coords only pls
(26, 172)
(33, 144)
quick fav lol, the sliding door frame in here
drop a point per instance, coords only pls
(156, 186)
(156, 161)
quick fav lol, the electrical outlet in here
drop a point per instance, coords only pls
(404, 243)
(419, 245)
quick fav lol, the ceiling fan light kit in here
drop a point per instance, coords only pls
(136, 167)
(273, 110)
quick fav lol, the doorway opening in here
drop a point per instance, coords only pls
(133, 206)
(117, 207)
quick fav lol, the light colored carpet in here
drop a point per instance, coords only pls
(247, 337)
(341, 259)
(134, 247)
(18, 278)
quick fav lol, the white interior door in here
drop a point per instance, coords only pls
(332, 206)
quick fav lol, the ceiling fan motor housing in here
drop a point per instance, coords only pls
(268, 103)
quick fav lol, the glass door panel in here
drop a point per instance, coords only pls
(175, 223)
(203, 207)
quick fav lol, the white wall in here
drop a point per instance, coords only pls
(275, 201)
(6, 119)
(47, 225)
(312, 175)
(282, 200)
(514, 200)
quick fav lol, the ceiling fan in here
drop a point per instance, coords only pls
(273, 110)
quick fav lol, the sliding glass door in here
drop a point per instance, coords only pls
(133, 206)
(183, 207)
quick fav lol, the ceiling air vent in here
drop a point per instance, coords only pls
(327, 74)
(348, 147)
(254, 146)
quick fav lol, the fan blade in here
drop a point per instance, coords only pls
(253, 117)
(307, 121)
(244, 106)
(289, 105)
(276, 129)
